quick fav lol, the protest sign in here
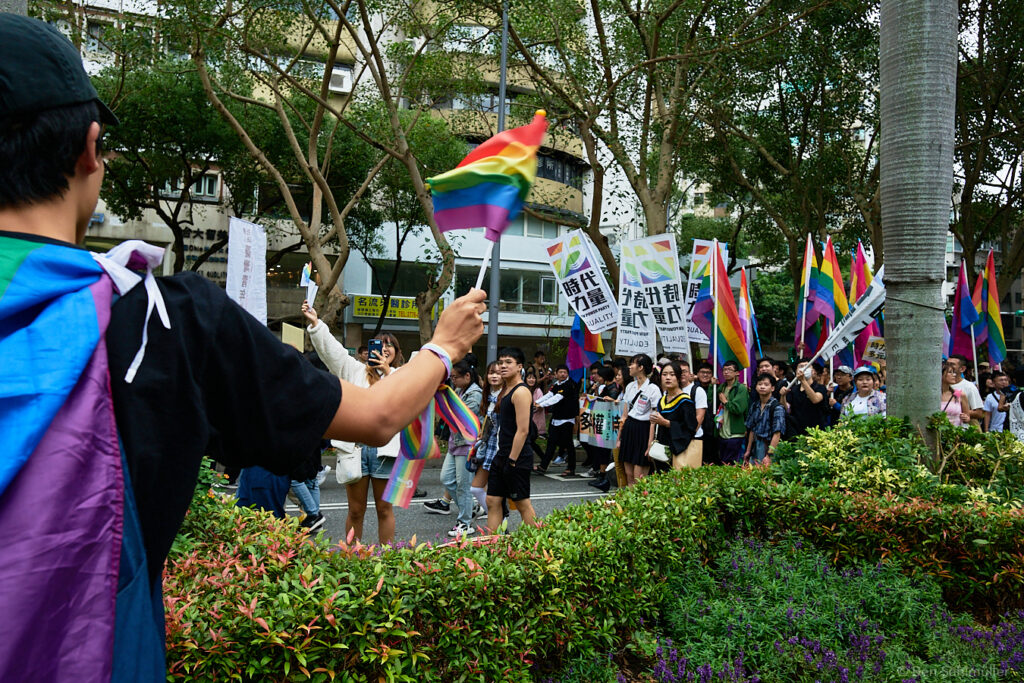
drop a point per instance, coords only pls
(861, 313)
(293, 336)
(636, 324)
(698, 264)
(875, 350)
(597, 421)
(658, 265)
(581, 280)
(247, 267)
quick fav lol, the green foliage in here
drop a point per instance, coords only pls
(783, 613)
(772, 294)
(248, 596)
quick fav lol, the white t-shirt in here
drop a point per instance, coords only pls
(971, 392)
(859, 404)
(996, 418)
(700, 400)
(642, 400)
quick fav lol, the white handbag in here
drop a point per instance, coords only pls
(350, 466)
(658, 452)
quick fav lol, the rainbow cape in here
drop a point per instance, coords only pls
(69, 531)
(417, 443)
(585, 349)
(488, 187)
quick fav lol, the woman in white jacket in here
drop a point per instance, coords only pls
(377, 463)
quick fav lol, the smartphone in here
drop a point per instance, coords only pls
(375, 346)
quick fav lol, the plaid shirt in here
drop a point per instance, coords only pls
(764, 423)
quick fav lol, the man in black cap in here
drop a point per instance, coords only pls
(111, 393)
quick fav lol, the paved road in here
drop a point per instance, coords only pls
(548, 493)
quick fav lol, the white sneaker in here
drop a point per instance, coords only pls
(460, 530)
(321, 476)
(479, 510)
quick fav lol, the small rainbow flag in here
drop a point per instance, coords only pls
(488, 187)
(748, 324)
(417, 443)
(307, 276)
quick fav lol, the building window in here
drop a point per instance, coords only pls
(559, 170)
(539, 228)
(698, 198)
(205, 189)
(94, 38)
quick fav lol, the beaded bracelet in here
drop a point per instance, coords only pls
(442, 354)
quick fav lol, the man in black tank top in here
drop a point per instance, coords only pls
(510, 471)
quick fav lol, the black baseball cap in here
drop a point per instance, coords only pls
(40, 69)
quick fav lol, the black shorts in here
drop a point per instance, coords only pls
(510, 482)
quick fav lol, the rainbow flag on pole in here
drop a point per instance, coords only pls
(830, 279)
(748, 323)
(990, 313)
(806, 313)
(488, 187)
(860, 279)
(715, 313)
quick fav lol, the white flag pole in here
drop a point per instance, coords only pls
(806, 292)
(483, 264)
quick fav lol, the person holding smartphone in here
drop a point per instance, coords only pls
(385, 355)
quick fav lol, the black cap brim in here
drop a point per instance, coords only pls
(106, 116)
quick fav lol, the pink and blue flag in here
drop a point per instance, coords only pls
(488, 187)
(964, 318)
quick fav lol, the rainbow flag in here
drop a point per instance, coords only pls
(719, 306)
(488, 187)
(860, 279)
(585, 349)
(990, 312)
(830, 278)
(978, 298)
(806, 309)
(417, 443)
(748, 323)
(964, 317)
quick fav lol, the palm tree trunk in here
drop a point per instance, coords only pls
(918, 58)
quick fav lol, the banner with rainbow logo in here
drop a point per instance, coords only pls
(657, 263)
(636, 324)
(581, 280)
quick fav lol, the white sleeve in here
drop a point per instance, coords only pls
(974, 397)
(700, 398)
(334, 355)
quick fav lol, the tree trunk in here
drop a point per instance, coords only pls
(918, 57)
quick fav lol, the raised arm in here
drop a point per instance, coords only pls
(373, 415)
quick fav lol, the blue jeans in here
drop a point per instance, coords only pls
(760, 450)
(376, 467)
(456, 480)
(308, 493)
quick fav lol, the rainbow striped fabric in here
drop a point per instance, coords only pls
(417, 443)
(585, 348)
(715, 313)
(990, 311)
(860, 278)
(806, 312)
(488, 187)
(748, 323)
